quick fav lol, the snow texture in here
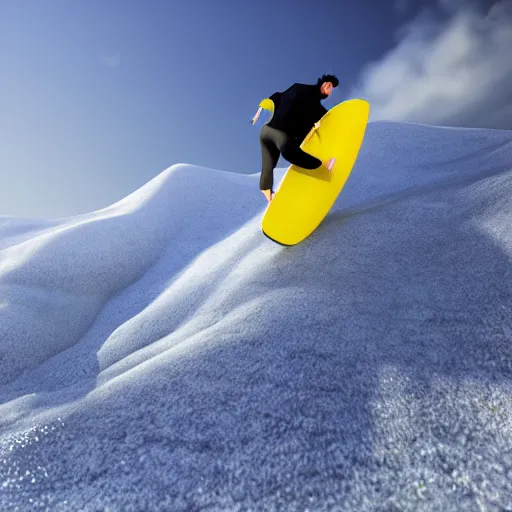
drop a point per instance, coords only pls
(162, 354)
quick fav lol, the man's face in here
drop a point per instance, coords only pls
(326, 89)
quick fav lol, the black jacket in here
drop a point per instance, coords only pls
(297, 109)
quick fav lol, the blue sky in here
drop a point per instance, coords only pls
(98, 97)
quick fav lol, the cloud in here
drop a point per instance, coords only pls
(455, 71)
(112, 60)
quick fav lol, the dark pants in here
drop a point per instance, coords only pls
(275, 143)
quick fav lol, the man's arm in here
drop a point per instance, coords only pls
(275, 99)
(257, 116)
(321, 112)
(318, 115)
(313, 130)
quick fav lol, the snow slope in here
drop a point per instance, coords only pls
(162, 354)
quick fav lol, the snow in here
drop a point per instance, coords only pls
(163, 354)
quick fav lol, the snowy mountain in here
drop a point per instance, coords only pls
(163, 354)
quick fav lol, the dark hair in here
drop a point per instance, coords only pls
(328, 78)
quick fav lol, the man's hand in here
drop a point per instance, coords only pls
(315, 127)
(256, 116)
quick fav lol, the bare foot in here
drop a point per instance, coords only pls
(329, 164)
(268, 194)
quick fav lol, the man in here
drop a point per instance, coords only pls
(296, 114)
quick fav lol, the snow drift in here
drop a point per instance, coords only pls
(163, 354)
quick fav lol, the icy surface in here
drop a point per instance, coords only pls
(162, 354)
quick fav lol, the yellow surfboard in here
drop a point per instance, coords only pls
(305, 196)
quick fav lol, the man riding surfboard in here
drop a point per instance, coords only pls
(296, 114)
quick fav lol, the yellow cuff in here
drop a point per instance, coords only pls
(267, 104)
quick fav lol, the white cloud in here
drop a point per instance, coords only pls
(112, 60)
(454, 72)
